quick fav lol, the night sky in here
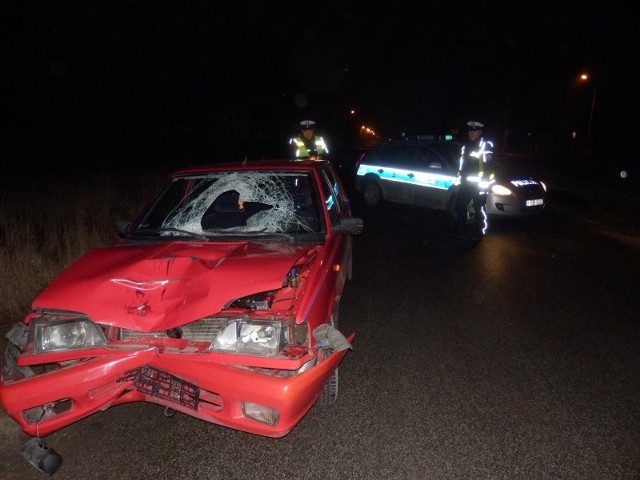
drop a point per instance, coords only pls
(155, 79)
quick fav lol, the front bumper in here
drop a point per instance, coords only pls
(209, 386)
(501, 206)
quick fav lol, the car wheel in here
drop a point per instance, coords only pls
(329, 394)
(371, 193)
(471, 213)
(334, 315)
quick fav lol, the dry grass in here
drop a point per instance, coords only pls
(46, 223)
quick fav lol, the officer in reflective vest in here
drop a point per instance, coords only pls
(307, 145)
(475, 176)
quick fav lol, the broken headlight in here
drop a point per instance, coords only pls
(252, 337)
(65, 334)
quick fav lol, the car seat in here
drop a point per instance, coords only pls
(225, 212)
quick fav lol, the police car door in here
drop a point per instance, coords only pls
(433, 179)
(407, 174)
(396, 167)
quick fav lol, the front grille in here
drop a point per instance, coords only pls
(204, 330)
(531, 191)
(536, 208)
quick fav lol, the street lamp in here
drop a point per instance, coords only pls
(584, 77)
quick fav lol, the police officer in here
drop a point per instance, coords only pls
(307, 145)
(475, 176)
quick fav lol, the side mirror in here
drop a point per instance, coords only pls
(123, 227)
(349, 226)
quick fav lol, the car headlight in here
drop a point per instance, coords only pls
(253, 337)
(500, 190)
(65, 334)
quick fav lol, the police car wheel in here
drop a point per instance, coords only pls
(371, 193)
(471, 213)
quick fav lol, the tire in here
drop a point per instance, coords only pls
(371, 193)
(329, 394)
(471, 213)
(334, 315)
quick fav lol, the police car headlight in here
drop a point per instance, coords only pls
(252, 337)
(501, 190)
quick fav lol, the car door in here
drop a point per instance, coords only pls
(432, 178)
(391, 165)
(406, 172)
(340, 246)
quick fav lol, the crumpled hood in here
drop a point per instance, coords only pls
(161, 286)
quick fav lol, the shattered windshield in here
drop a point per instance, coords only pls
(252, 202)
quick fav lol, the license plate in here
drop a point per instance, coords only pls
(533, 203)
(163, 385)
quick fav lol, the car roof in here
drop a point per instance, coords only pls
(423, 143)
(448, 149)
(246, 165)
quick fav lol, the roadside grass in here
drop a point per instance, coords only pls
(47, 223)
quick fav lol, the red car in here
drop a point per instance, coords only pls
(220, 302)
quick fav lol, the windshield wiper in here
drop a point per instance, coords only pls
(177, 231)
(245, 234)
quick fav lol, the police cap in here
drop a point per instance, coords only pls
(473, 125)
(307, 124)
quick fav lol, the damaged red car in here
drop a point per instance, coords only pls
(220, 302)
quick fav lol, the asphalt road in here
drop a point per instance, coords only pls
(517, 357)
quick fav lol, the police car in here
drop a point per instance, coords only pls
(422, 171)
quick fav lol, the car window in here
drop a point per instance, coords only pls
(247, 201)
(436, 160)
(338, 190)
(451, 152)
(401, 156)
(427, 158)
(386, 155)
(405, 156)
(333, 197)
(440, 157)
